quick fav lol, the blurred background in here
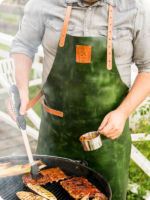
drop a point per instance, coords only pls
(11, 142)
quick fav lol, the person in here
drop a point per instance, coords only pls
(86, 80)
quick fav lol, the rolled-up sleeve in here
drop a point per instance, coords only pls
(31, 29)
(141, 42)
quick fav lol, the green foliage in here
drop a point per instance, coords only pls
(132, 196)
(136, 175)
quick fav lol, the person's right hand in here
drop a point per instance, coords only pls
(24, 101)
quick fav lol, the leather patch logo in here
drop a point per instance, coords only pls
(83, 54)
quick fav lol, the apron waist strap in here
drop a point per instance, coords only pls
(37, 98)
(51, 111)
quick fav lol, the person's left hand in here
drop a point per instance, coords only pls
(113, 124)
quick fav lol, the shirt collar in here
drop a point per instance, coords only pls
(100, 2)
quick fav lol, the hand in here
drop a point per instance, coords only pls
(113, 124)
(24, 101)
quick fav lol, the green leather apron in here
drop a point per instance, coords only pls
(85, 93)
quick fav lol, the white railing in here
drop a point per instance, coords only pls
(136, 155)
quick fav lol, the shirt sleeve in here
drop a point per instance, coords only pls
(141, 43)
(31, 30)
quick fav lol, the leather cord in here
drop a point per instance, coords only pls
(109, 38)
(35, 100)
(65, 26)
(51, 111)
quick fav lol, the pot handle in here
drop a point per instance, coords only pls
(81, 162)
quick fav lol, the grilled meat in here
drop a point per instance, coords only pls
(29, 196)
(79, 187)
(99, 196)
(41, 191)
(86, 197)
(49, 176)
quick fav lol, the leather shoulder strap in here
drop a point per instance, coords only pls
(65, 26)
(35, 100)
(109, 38)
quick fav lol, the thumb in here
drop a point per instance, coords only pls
(23, 106)
(104, 122)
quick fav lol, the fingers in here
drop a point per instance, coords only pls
(9, 110)
(107, 129)
(114, 137)
(24, 102)
(104, 123)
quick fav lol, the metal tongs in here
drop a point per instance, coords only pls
(7, 69)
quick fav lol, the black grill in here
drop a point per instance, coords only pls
(11, 185)
(8, 191)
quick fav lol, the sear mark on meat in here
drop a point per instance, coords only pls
(49, 176)
(79, 187)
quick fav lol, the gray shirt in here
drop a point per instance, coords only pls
(43, 22)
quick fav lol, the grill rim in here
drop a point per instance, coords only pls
(67, 160)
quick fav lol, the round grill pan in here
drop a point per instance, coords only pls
(11, 185)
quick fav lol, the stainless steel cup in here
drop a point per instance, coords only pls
(93, 144)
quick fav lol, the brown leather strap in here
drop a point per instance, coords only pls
(65, 26)
(109, 38)
(35, 100)
(49, 110)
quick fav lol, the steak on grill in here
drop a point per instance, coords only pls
(79, 187)
(49, 176)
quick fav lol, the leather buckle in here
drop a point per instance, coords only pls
(83, 54)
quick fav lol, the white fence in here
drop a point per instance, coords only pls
(136, 155)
